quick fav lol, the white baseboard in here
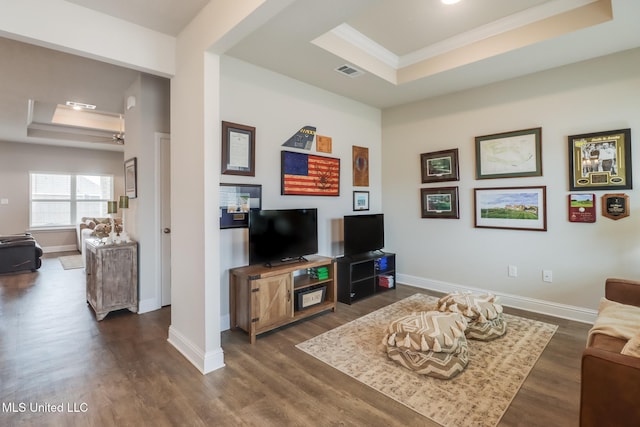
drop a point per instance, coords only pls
(579, 314)
(63, 248)
(205, 363)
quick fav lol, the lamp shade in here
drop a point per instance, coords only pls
(112, 207)
(124, 202)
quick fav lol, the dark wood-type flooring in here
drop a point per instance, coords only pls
(123, 372)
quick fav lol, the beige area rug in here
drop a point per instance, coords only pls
(479, 396)
(70, 262)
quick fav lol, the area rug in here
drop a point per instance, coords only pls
(479, 396)
(70, 262)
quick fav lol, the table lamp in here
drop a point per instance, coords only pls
(112, 208)
(124, 204)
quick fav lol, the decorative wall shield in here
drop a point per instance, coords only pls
(615, 206)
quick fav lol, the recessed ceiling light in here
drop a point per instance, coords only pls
(80, 105)
(449, 1)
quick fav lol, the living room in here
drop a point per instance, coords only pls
(438, 254)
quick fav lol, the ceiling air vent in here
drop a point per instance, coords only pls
(349, 71)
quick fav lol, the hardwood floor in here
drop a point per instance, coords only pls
(121, 371)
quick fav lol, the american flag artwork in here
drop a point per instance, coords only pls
(309, 175)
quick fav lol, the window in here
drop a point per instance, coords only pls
(60, 200)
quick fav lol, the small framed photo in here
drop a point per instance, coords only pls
(360, 200)
(238, 149)
(515, 208)
(509, 154)
(439, 166)
(131, 178)
(236, 200)
(439, 202)
(582, 207)
(600, 161)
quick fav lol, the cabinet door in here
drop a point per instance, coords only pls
(272, 303)
(90, 270)
(118, 287)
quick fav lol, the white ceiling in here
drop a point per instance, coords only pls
(408, 49)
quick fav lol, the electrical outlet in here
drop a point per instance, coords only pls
(513, 271)
(547, 276)
(4, 201)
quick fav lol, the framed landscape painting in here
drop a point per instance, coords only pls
(439, 202)
(439, 166)
(517, 208)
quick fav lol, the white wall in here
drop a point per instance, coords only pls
(278, 107)
(149, 115)
(598, 95)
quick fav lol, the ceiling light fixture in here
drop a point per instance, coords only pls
(80, 105)
(449, 1)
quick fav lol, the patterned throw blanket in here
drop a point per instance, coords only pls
(616, 320)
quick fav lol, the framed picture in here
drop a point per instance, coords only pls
(309, 175)
(439, 166)
(131, 178)
(238, 149)
(360, 157)
(236, 200)
(510, 154)
(600, 161)
(615, 206)
(439, 202)
(517, 208)
(360, 200)
(582, 207)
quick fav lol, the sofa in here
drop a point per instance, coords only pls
(19, 252)
(90, 227)
(610, 376)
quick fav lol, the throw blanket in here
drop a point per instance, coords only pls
(616, 320)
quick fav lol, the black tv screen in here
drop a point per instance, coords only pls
(363, 233)
(282, 235)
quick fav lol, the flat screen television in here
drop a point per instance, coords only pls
(282, 235)
(363, 233)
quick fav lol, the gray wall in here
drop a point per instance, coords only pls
(18, 159)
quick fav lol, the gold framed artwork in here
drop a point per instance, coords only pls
(600, 161)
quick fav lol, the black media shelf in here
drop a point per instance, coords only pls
(363, 275)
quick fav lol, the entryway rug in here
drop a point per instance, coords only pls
(479, 396)
(70, 262)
